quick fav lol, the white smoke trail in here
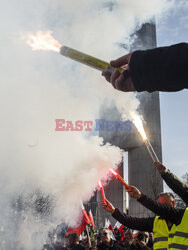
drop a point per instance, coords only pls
(39, 87)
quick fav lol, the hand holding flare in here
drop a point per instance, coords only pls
(128, 188)
(134, 192)
(105, 203)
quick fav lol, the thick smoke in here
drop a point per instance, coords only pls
(39, 87)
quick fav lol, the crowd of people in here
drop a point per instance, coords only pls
(103, 239)
(167, 230)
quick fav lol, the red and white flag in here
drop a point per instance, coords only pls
(90, 215)
(120, 227)
(109, 226)
(82, 225)
(83, 237)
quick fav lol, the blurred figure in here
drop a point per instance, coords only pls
(117, 234)
(107, 242)
(94, 245)
(74, 242)
(140, 241)
(99, 240)
(128, 239)
(150, 241)
(52, 240)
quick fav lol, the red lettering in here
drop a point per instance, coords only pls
(78, 125)
(70, 126)
(88, 124)
(59, 126)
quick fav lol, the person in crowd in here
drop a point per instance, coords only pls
(94, 245)
(179, 187)
(158, 225)
(178, 235)
(73, 243)
(140, 241)
(52, 238)
(150, 241)
(107, 242)
(99, 240)
(159, 69)
(128, 238)
(117, 234)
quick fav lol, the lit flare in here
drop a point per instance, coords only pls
(139, 125)
(42, 40)
(102, 192)
(120, 179)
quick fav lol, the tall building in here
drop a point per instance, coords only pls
(141, 172)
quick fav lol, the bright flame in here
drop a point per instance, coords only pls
(100, 184)
(42, 40)
(139, 125)
(113, 171)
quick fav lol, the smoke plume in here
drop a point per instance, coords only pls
(45, 173)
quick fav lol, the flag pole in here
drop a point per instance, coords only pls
(89, 240)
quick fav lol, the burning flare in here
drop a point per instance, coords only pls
(120, 179)
(42, 40)
(102, 192)
(100, 184)
(113, 172)
(139, 125)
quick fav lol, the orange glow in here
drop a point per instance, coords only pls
(102, 191)
(139, 125)
(42, 40)
(113, 171)
(120, 179)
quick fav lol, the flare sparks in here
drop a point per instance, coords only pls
(120, 179)
(139, 125)
(43, 40)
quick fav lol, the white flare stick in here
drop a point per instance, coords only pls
(151, 150)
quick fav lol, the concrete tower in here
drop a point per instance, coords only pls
(141, 172)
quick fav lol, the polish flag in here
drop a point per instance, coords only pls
(109, 226)
(90, 215)
(82, 225)
(120, 227)
(83, 237)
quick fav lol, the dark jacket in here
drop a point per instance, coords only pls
(77, 247)
(113, 245)
(171, 214)
(137, 247)
(179, 187)
(146, 224)
(161, 69)
(141, 224)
